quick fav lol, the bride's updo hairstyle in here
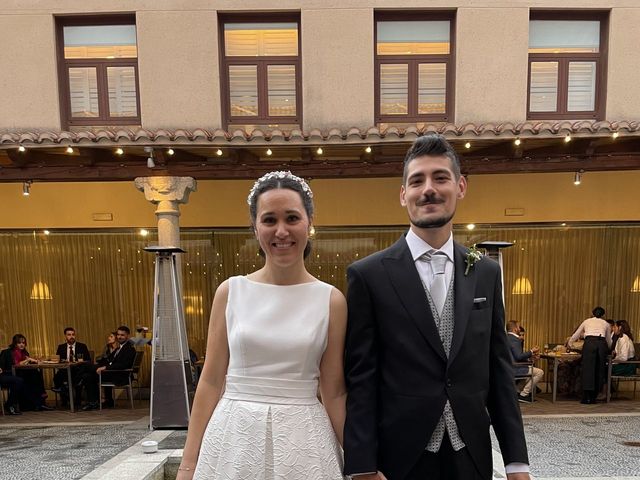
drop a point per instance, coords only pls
(274, 180)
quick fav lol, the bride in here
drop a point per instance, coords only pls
(275, 335)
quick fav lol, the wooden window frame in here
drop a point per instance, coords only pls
(262, 64)
(564, 59)
(101, 65)
(413, 61)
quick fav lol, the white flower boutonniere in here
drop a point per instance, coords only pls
(473, 256)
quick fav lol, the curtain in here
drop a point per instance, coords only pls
(96, 280)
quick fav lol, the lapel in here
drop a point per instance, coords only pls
(406, 282)
(464, 290)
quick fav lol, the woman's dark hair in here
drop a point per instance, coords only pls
(598, 312)
(17, 338)
(625, 328)
(290, 182)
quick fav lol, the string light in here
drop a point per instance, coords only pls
(219, 152)
(170, 151)
(144, 232)
(269, 152)
(467, 145)
(319, 151)
(368, 149)
(69, 150)
(517, 142)
(567, 138)
(471, 226)
(21, 149)
(119, 151)
(46, 232)
(615, 135)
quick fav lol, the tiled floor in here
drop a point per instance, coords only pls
(566, 440)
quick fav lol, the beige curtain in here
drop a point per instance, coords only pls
(95, 281)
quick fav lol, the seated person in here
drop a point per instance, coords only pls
(34, 394)
(121, 359)
(111, 346)
(14, 383)
(624, 349)
(518, 355)
(70, 351)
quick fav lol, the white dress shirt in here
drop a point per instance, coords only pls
(624, 348)
(73, 348)
(593, 327)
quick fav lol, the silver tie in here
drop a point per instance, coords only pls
(438, 289)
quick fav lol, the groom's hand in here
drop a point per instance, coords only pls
(372, 476)
(518, 476)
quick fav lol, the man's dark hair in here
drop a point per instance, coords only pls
(433, 145)
(512, 326)
(124, 328)
(598, 312)
(69, 329)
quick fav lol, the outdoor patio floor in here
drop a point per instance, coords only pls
(566, 440)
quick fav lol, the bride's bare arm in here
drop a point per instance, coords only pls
(211, 382)
(332, 385)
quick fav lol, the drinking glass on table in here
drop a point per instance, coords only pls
(80, 357)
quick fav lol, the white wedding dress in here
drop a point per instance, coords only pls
(269, 423)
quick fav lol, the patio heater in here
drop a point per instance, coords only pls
(493, 251)
(171, 377)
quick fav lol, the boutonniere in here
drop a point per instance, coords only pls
(473, 256)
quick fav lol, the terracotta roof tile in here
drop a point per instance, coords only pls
(258, 136)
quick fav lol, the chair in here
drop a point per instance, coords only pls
(528, 376)
(131, 377)
(634, 377)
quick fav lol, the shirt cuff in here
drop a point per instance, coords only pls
(362, 473)
(516, 468)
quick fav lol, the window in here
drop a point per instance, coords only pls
(567, 65)
(98, 69)
(260, 70)
(414, 67)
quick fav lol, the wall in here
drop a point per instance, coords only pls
(179, 36)
(550, 197)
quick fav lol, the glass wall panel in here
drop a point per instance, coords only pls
(243, 90)
(281, 84)
(123, 101)
(261, 39)
(102, 41)
(582, 87)
(432, 87)
(83, 92)
(543, 94)
(413, 37)
(394, 89)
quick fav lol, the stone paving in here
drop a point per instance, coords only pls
(62, 452)
(561, 447)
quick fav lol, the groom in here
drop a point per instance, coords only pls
(427, 363)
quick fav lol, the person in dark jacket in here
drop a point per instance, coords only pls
(121, 359)
(519, 355)
(14, 383)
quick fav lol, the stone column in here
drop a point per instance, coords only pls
(167, 193)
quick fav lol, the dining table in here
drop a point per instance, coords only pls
(52, 365)
(553, 360)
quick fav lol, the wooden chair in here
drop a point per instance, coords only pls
(131, 377)
(527, 376)
(634, 377)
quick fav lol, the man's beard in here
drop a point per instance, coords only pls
(431, 223)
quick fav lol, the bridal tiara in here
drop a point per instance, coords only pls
(279, 175)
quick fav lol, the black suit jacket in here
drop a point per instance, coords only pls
(81, 348)
(518, 355)
(399, 378)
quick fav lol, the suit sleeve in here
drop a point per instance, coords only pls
(517, 353)
(502, 402)
(361, 375)
(62, 352)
